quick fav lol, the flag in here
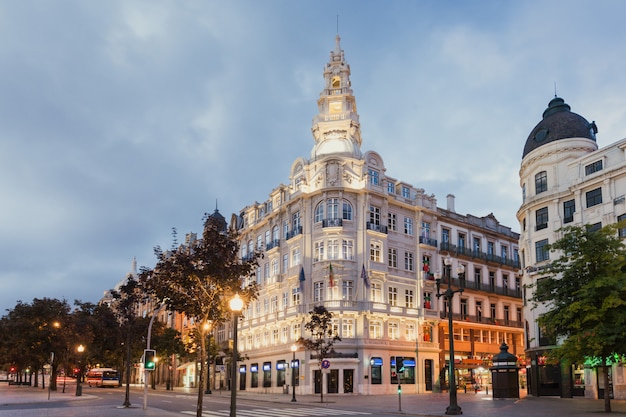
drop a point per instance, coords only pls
(331, 276)
(301, 277)
(364, 276)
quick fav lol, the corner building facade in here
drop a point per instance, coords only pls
(566, 181)
(345, 235)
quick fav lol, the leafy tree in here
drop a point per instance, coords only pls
(585, 296)
(200, 278)
(167, 342)
(322, 340)
(126, 300)
(32, 331)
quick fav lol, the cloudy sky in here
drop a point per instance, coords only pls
(120, 120)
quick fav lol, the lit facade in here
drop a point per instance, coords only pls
(346, 235)
(566, 181)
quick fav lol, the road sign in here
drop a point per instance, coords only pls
(325, 364)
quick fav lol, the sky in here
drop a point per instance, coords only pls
(123, 119)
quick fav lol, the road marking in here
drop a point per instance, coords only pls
(275, 412)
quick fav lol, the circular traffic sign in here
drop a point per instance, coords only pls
(325, 364)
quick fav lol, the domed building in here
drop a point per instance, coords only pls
(566, 181)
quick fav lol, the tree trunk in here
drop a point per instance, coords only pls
(607, 393)
(321, 385)
(201, 380)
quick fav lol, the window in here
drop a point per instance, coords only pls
(347, 210)
(275, 269)
(594, 197)
(524, 193)
(593, 167)
(408, 299)
(295, 296)
(347, 248)
(285, 262)
(375, 330)
(541, 249)
(569, 207)
(406, 192)
(408, 261)
(318, 292)
(373, 176)
(541, 216)
(296, 332)
(426, 230)
(391, 188)
(375, 249)
(275, 234)
(622, 231)
(319, 251)
(392, 299)
(332, 208)
(375, 215)
(376, 292)
(409, 332)
(394, 331)
(319, 212)
(347, 328)
(445, 238)
(285, 229)
(347, 290)
(295, 257)
(408, 226)
(463, 308)
(541, 182)
(594, 227)
(259, 242)
(504, 252)
(285, 300)
(492, 311)
(476, 247)
(461, 241)
(393, 257)
(295, 220)
(268, 238)
(479, 311)
(392, 222)
(333, 249)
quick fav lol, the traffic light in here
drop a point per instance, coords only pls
(399, 364)
(149, 362)
(13, 369)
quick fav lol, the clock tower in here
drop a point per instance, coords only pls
(336, 128)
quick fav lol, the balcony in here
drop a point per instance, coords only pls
(273, 244)
(376, 227)
(294, 232)
(428, 241)
(481, 286)
(477, 254)
(332, 223)
(483, 320)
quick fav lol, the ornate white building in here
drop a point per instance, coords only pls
(566, 181)
(346, 235)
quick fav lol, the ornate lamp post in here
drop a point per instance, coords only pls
(79, 389)
(236, 305)
(294, 348)
(453, 408)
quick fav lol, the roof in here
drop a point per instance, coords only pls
(559, 122)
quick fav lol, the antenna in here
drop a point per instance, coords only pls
(555, 96)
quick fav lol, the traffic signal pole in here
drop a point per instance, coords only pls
(145, 371)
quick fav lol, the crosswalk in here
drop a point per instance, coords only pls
(279, 412)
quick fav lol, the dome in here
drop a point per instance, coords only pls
(559, 123)
(217, 219)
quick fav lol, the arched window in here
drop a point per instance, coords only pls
(332, 208)
(347, 210)
(319, 212)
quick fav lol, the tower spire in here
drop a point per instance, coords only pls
(336, 128)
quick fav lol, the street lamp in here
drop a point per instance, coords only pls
(453, 408)
(79, 389)
(294, 348)
(236, 305)
(207, 326)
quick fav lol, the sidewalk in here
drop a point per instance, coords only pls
(473, 405)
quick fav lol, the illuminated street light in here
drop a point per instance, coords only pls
(294, 348)
(79, 389)
(236, 305)
(453, 408)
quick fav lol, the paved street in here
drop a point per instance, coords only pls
(33, 402)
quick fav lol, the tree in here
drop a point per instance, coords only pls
(200, 278)
(584, 291)
(320, 325)
(126, 300)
